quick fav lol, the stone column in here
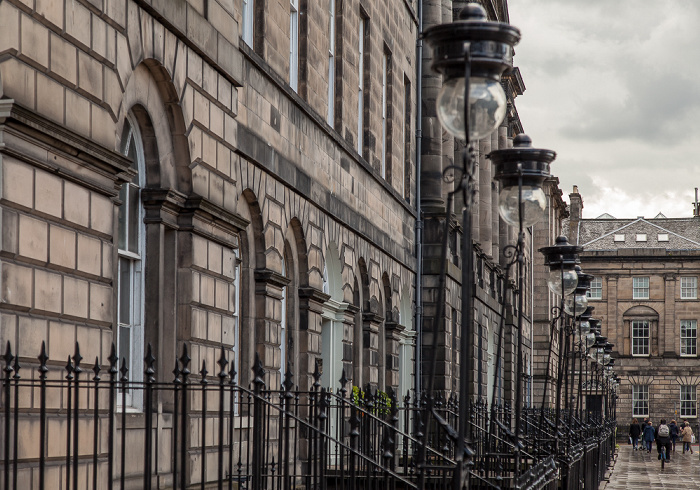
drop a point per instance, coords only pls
(268, 311)
(310, 309)
(484, 196)
(392, 332)
(371, 323)
(349, 362)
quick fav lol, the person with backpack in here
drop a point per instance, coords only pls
(635, 431)
(687, 438)
(663, 439)
(675, 432)
(648, 436)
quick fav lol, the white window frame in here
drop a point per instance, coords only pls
(640, 400)
(596, 290)
(640, 335)
(689, 338)
(247, 21)
(641, 237)
(619, 238)
(640, 287)
(361, 85)
(294, 44)
(385, 64)
(689, 287)
(663, 237)
(688, 398)
(134, 261)
(331, 63)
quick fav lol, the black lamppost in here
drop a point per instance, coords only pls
(521, 171)
(562, 259)
(471, 53)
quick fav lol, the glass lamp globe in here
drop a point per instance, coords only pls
(556, 277)
(584, 327)
(606, 359)
(534, 202)
(579, 301)
(590, 339)
(487, 107)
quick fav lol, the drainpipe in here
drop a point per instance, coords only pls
(419, 212)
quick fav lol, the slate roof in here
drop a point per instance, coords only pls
(599, 234)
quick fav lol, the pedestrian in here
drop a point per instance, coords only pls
(634, 433)
(662, 434)
(648, 435)
(675, 431)
(687, 438)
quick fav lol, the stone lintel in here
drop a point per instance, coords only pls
(265, 277)
(99, 158)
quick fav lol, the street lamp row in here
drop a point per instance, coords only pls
(472, 53)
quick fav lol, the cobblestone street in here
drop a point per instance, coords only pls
(639, 469)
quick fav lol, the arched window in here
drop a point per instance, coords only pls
(130, 244)
(332, 318)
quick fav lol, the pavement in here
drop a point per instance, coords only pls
(642, 470)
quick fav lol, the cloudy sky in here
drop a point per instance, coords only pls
(613, 86)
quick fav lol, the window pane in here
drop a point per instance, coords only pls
(122, 216)
(133, 219)
(124, 291)
(125, 346)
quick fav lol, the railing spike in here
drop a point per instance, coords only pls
(113, 360)
(124, 371)
(203, 372)
(259, 372)
(8, 360)
(43, 359)
(69, 368)
(96, 369)
(343, 382)
(223, 363)
(77, 358)
(288, 378)
(150, 364)
(176, 372)
(16, 367)
(185, 361)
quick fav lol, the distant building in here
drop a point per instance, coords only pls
(646, 294)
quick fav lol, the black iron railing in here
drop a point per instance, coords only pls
(78, 427)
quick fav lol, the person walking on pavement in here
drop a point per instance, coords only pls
(634, 433)
(675, 431)
(663, 439)
(687, 438)
(648, 436)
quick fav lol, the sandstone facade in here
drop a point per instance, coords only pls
(646, 297)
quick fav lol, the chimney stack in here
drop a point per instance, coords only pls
(575, 214)
(696, 210)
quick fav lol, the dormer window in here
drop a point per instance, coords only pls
(619, 238)
(663, 237)
(641, 237)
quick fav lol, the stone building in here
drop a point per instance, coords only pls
(236, 173)
(245, 174)
(645, 293)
